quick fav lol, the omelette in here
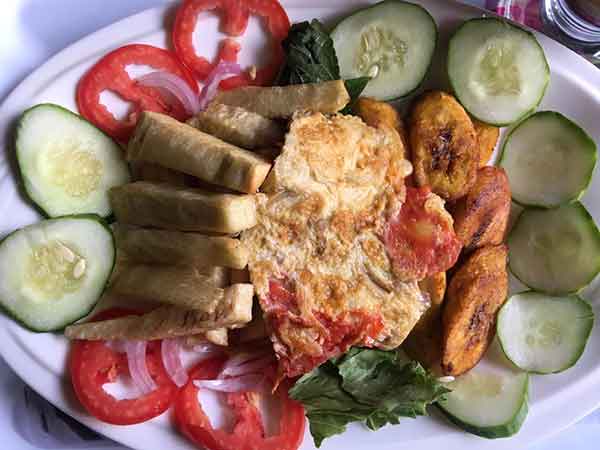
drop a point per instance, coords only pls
(341, 242)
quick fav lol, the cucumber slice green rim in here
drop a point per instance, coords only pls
(52, 273)
(548, 146)
(491, 399)
(544, 334)
(555, 251)
(497, 70)
(393, 42)
(67, 165)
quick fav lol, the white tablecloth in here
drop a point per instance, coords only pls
(31, 31)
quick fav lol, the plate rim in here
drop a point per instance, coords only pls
(575, 394)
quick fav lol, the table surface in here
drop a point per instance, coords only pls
(29, 36)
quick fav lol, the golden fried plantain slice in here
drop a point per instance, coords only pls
(481, 217)
(375, 114)
(475, 293)
(487, 138)
(443, 145)
(424, 343)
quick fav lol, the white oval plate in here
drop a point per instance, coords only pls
(39, 359)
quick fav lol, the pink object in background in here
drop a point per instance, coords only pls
(523, 11)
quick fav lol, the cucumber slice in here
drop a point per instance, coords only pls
(52, 273)
(544, 334)
(556, 251)
(548, 146)
(497, 70)
(392, 42)
(67, 164)
(490, 400)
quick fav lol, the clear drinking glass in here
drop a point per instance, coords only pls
(575, 23)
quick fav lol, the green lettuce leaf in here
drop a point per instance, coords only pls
(310, 55)
(374, 387)
(310, 58)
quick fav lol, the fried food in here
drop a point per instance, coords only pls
(377, 114)
(476, 292)
(320, 268)
(487, 137)
(162, 140)
(444, 147)
(178, 248)
(186, 287)
(145, 171)
(275, 102)
(183, 209)
(424, 343)
(481, 217)
(169, 321)
(220, 336)
(238, 126)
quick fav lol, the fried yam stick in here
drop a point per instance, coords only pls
(184, 209)
(179, 248)
(185, 287)
(168, 321)
(162, 140)
(219, 336)
(283, 101)
(238, 126)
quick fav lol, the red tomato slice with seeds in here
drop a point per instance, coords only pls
(336, 334)
(248, 431)
(234, 21)
(420, 240)
(109, 74)
(93, 364)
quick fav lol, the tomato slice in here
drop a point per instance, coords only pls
(234, 16)
(335, 334)
(109, 74)
(93, 363)
(248, 431)
(420, 240)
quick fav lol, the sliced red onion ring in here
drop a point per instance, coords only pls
(175, 86)
(170, 351)
(206, 347)
(244, 357)
(138, 370)
(251, 382)
(253, 366)
(211, 84)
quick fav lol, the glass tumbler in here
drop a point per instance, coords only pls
(575, 23)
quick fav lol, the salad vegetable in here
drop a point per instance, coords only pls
(248, 429)
(235, 15)
(548, 146)
(556, 251)
(375, 387)
(498, 70)
(392, 42)
(110, 74)
(67, 164)
(542, 333)
(311, 58)
(52, 273)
